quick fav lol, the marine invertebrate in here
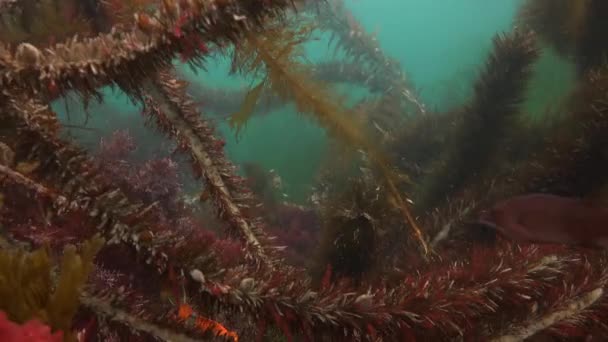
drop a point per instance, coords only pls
(172, 279)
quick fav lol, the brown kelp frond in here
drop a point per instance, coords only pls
(28, 289)
(559, 23)
(362, 231)
(351, 73)
(238, 120)
(275, 52)
(471, 298)
(223, 101)
(15, 177)
(122, 11)
(571, 160)
(108, 210)
(127, 56)
(593, 48)
(499, 91)
(162, 275)
(41, 22)
(174, 113)
(355, 216)
(9, 5)
(574, 28)
(76, 177)
(417, 142)
(565, 158)
(384, 116)
(75, 269)
(281, 44)
(364, 48)
(445, 222)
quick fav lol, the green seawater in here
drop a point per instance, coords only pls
(440, 44)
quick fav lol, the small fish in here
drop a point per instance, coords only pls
(545, 218)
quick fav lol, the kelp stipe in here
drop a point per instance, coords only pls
(570, 161)
(162, 263)
(352, 218)
(498, 93)
(274, 53)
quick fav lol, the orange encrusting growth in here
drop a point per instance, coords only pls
(186, 312)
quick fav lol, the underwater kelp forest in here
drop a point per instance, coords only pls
(279, 170)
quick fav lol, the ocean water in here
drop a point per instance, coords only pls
(463, 200)
(440, 44)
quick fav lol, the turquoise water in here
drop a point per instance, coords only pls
(441, 45)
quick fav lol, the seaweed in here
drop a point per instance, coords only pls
(165, 276)
(485, 120)
(574, 28)
(274, 53)
(351, 219)
(30, 289)
(570, 161)
(45, 22)
(238, 120)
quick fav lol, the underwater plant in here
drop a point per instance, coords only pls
(573, 28)
(30, 289)
(235, 261)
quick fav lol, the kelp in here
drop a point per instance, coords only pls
(43, 22)
(572, 160)
(475, 296)
(349, 36)
(122, 11)
(558, 23)
(576, 29)
(356, 221)
(239, 119)
(485, 121)
(276, 54)
(28, 288)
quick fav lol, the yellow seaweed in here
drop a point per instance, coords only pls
(28, 289)
(276, 53)
(239, 119)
